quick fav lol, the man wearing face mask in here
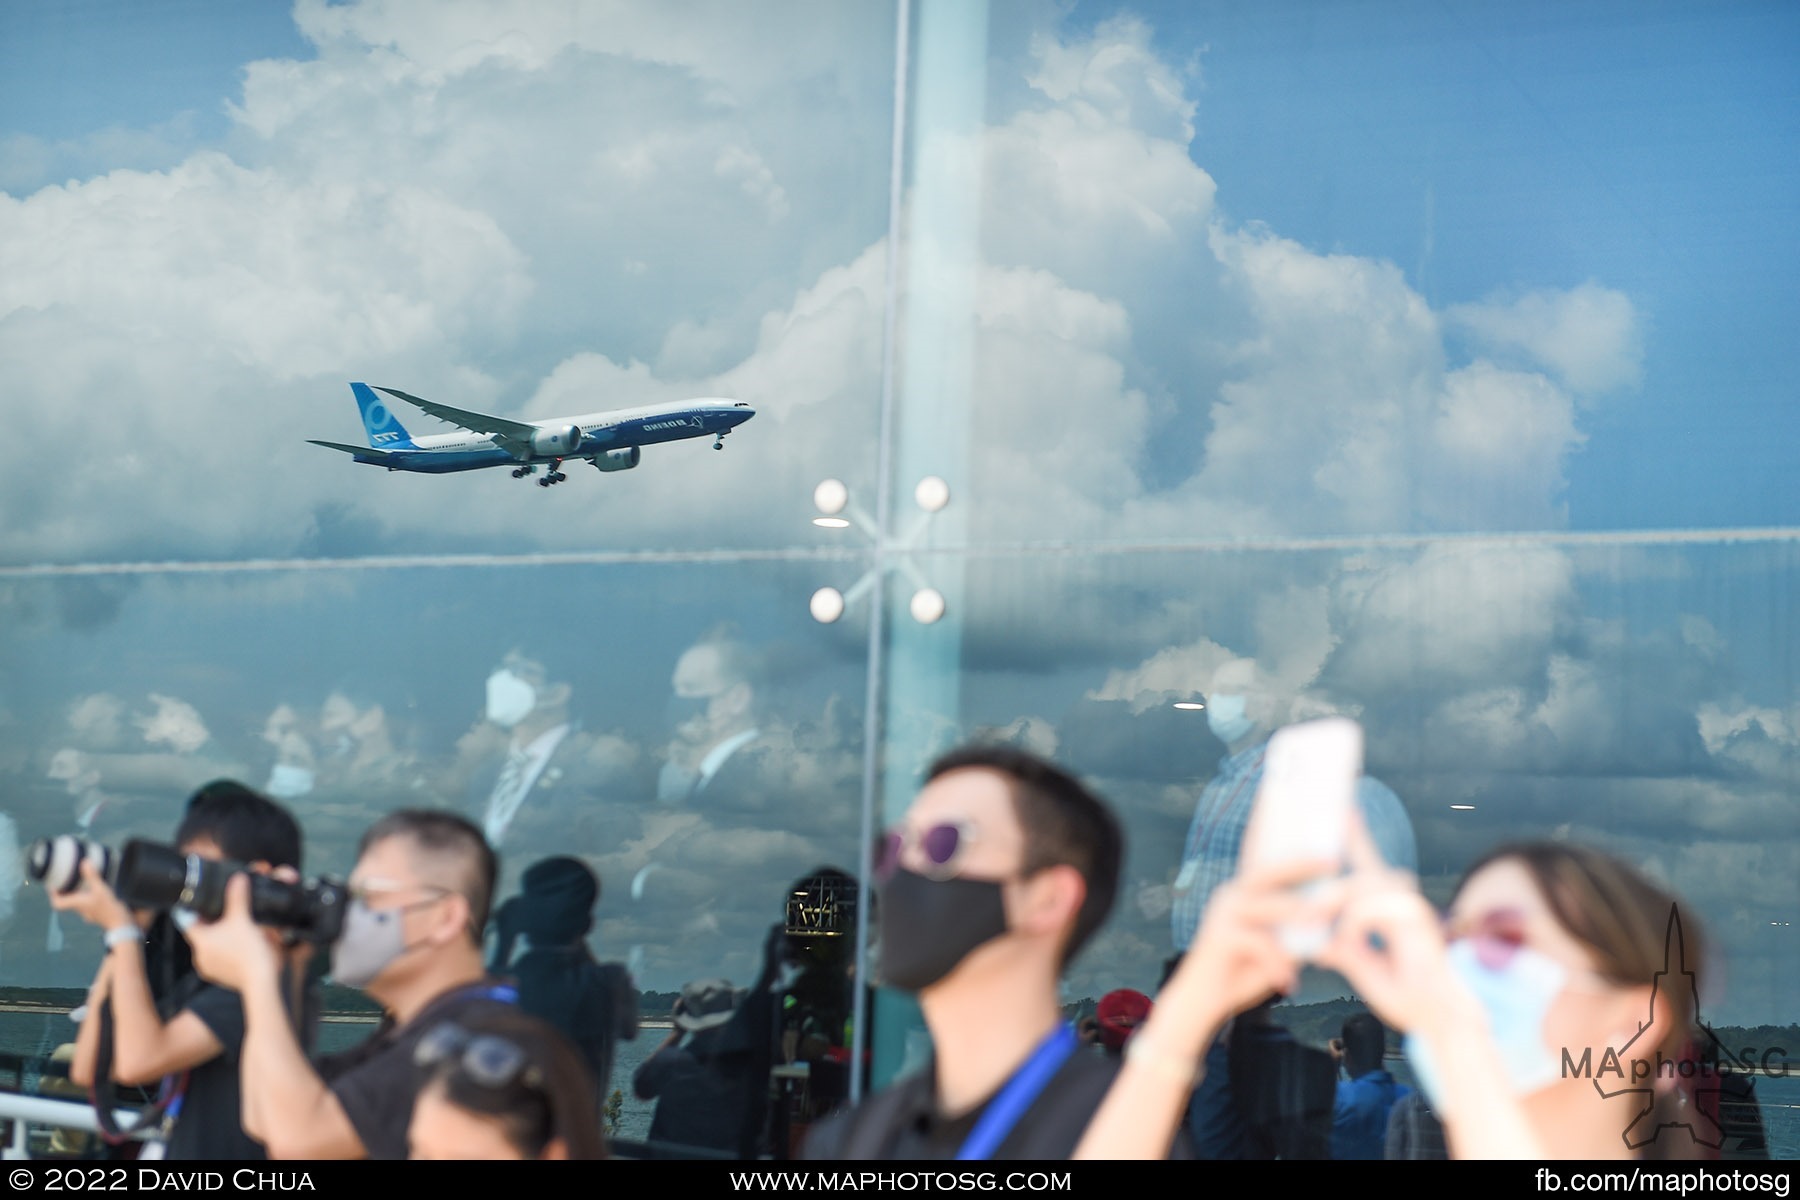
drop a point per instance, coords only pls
(419, 899)
(1223, 1121)
(712, 719)
(1002, 869)
(533, 781)
(191, 1037)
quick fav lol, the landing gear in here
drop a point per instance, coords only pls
(522, 472)
(554, 475)
(719, 440)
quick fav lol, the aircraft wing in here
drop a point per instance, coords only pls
(362, 451)
(509, 432)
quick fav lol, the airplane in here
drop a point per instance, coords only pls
(612, 441)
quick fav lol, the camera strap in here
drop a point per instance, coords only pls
(163, 1111)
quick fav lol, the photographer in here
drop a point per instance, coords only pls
(418, 901)
(192, 1038)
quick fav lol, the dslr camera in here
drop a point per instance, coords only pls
(160, 877)
(56, 862)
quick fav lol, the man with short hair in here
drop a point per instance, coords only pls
(418, 903)
(182, 1028)
(1365, 1101)
(1000, 872)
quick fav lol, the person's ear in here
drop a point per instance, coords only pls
(556, 1149)
(454, 920)
(1049, 900)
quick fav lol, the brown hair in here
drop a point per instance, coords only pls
(1635, 930)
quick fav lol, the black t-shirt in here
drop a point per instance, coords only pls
(210, 1124)
(376, 1081)
(902, 1123)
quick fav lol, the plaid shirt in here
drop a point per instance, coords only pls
(1210, 856)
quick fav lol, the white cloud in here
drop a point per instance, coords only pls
(1590, 335)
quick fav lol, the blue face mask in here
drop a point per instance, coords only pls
(1516, 998)
(1225, 717)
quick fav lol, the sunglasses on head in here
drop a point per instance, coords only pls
(486, 1059)
(940, 845)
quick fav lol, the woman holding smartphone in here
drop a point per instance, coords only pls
(1551, 954)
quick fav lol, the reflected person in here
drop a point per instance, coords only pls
(712, 721)
(594, 1004)
(1243, 711)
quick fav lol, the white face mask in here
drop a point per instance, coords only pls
(509, 699)
(371, 939)
(1226, 718)
(1516, 997)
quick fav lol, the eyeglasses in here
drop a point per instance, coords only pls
(941, 844)
(1496, 936)
(487, 1059)
(369, 889)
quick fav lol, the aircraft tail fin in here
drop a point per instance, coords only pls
(383, 427)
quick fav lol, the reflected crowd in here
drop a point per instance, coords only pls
(469, 924)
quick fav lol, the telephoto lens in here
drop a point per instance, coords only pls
(161, 877)
(56, 862)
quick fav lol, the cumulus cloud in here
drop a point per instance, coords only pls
(553, 209)
(1589, 336)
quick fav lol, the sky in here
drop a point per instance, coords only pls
(1437, 354)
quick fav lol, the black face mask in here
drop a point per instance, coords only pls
(928, 926)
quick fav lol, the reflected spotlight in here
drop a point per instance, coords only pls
(1462, 808)
(1189, 705)
(927, 605)
(830, 497)
(827, 605)
(932, 494)
(831, 523)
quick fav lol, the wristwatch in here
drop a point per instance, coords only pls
(121, 934)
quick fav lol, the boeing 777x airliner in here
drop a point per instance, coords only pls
(609, 440)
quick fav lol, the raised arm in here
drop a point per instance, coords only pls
(145, 1047)
(286, 1105)
(1235, 961)
(1390, 945)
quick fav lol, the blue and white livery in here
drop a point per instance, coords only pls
(612, 441)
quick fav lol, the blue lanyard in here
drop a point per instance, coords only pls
(1020, 1092)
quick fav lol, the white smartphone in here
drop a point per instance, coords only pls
(1303, 804)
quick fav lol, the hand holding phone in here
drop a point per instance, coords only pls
(1303, 807)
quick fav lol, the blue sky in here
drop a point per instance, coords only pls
(1275, 271)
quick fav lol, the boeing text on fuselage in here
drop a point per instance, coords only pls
(611, 441)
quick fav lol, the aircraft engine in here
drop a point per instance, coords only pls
(622, 459)
(556, 441)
